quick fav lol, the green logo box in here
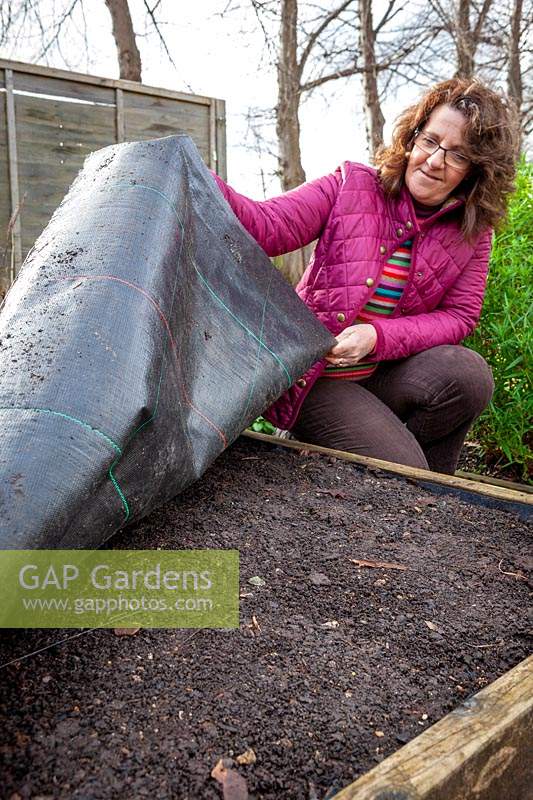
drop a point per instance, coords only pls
(119, 588)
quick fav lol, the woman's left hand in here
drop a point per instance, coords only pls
(353, 344)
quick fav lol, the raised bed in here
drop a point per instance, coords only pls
(336, 665)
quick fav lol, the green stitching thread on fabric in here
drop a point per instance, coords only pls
(208, 286)
(154, 413)
(263, 314)
(165, 351)
(252, 334)
(81, 422)
(86, 425)
(118, 489)
(115, 462)
(259, 339)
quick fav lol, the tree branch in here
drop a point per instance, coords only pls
(480, 22)
(151, 14)
(57, 28)
(316, 33)
(387, 16)
(341, 73)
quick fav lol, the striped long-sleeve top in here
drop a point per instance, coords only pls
(382, 303)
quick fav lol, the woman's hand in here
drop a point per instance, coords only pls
(353, 344)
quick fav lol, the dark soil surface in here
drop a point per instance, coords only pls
(333, 668)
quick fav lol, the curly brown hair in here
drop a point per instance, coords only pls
(491, 141)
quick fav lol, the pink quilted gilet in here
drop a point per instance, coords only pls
(358, 227)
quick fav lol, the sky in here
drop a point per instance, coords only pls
(222, 54)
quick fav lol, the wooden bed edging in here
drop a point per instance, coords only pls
(471, 476)
(475, 492)
(480, 751)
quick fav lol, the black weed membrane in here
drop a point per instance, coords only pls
(145, 331)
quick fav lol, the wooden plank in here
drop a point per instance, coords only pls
(141, 126)
(51, 109)
(67, 138)
(13, 174)
(95, 80)
(480, 751)
(65, 146)
(43, 202)
(472, 476)
(82, 123)
(412, 473)
(120, 121)
(183, 108)
(52, 131)
(222, 169)
(39, 84)
(153, 117)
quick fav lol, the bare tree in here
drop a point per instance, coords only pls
(293, 58)
(293, 54)
(289, 69)
(519, 67)
(491, 40)
(463, 25)
(367, 43)
(52, 24)
(468, 35)
(129, 58)
(514, 73)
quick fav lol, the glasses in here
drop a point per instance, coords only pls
(451, 157)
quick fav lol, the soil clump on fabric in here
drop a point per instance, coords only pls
(335, 666)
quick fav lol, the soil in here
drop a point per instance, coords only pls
(333, 668)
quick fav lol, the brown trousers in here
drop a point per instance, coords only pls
(415, 411)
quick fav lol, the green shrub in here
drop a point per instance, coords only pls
(504, 336)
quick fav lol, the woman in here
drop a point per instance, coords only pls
(398, 276)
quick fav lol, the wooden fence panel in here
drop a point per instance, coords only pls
(53, 139)
(148, 117)
(57, 117)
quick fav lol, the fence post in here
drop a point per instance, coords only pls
(213, 156)
(119, 115)
(220, 132)
(16, 260)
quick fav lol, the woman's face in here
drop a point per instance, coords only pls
(428, 177)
